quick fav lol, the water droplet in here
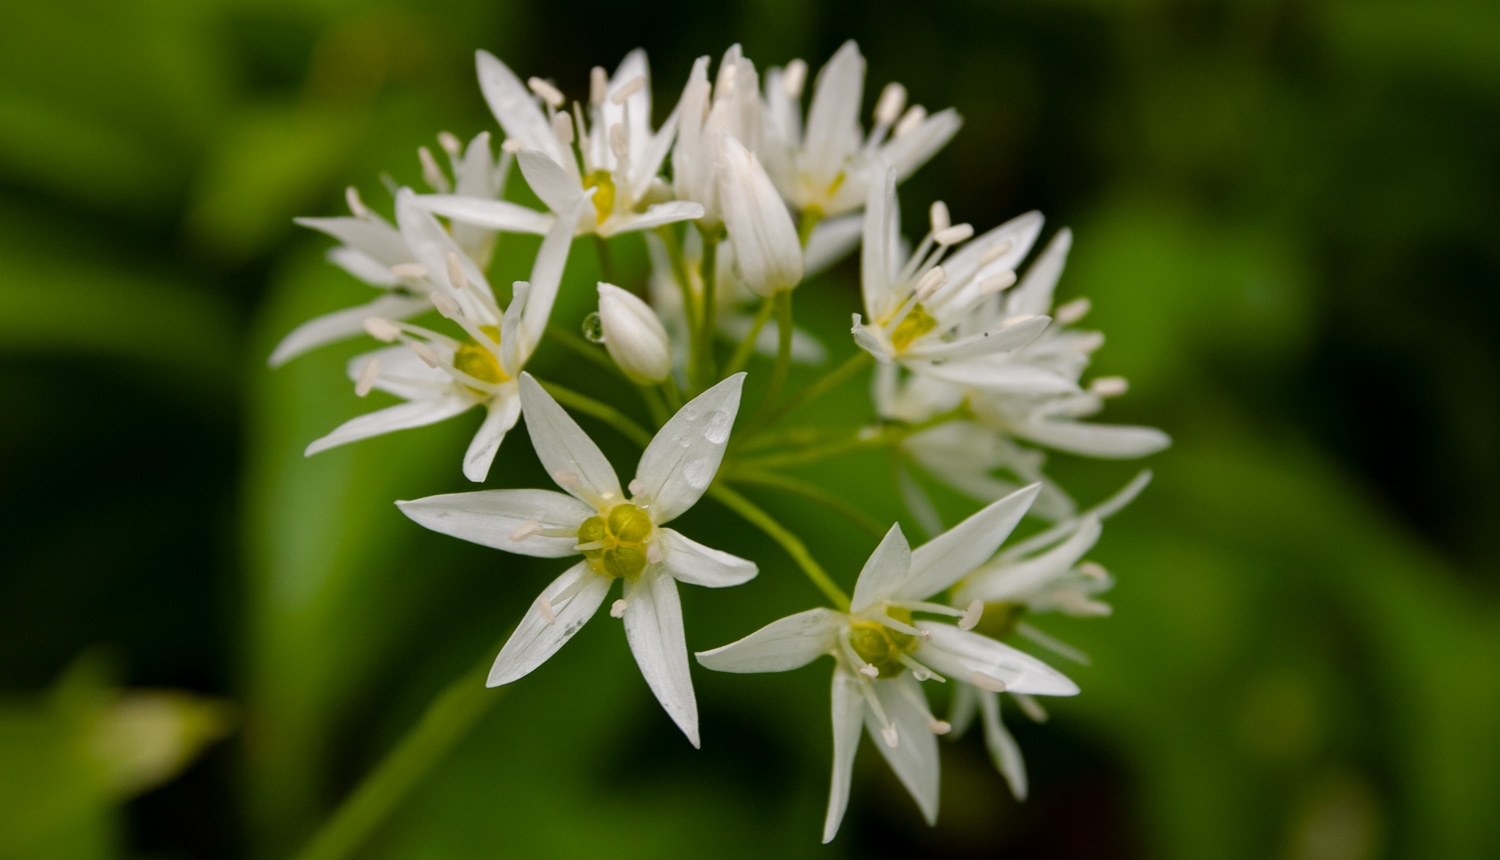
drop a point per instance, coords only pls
(690, 413)
(717, 430)
(593, 329)
(699, 473)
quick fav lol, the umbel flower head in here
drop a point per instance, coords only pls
(620, 537)
(881, 652)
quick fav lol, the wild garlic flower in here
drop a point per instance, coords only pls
(881, 652)
(607, 147)
(440, 376)
(767, 252)
(634, 336)
(708, 113)
(620, 538)
(825, 167)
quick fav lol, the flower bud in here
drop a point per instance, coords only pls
(766, 249)
(634, 335)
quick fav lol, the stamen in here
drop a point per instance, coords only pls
(996, 283)
(356, 206)
(550, 94)
(431, 173)
(892, 100)
(545, 607)
(367, 376)
(617, 609)
(794, 78)
(619, 144)
(591, 545)
(1072, 312)
(901, 627)
(1031, 707)
(915, 116)
(939, 727)
(953, 235)
(653, 554)
(450, 144)
(987, 682)
(1016, 320)
(1093, 570)
(598, 85)
(381, 329)
(1109, 386)
(995, 253)
(566, 479)
(869, 671)
(562, 128)
(456, 272)
(628, 89)
(918, 671)
(931, 282)
(409, 270)
(424, 352)
(938, 214)
(445, 304)
(528, 529)
(972, 615)
(512, 145)
(888, 734)
(924, 606)
(636, 486)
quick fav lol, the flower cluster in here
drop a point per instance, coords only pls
(975, 374)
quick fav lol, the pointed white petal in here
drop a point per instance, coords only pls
(655, 215)
(1034, 294)
(373, 237)
(547, 272)
(785, 644)
(884, 572)
(1107, 441)
(767, 252)
(510, 520)
(683, 458)
(848, 716)
(653, 626)
(875, 252)
(501, 413)
(433, 246)
(960, 653)
(833, 117)
(994, 341)
(514, 106)
(1019, 580)
(910, 151)
(692, 562)
(336, 326)
(402, 373)
(915, 756)
(553, 185)
(537, 638)
(567, 453)
(961, 712)
(403, 416)
(362, 266)
(1010, 242)
(952, 555)
(1003, 748)
(831, 241)
(501, 215)
(999, 376)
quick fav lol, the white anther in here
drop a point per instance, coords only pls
(636, 486)
(598, 85)
(869, 671)
(356, 206)
(617, 609)
(915, 116)
(619, 144)
(1072, 312)
(565, 479)
(445, 304)
(528, 529)
(939, 727)
(953, 235)
(1093, 570)
(987, 682)
(562, 128)
(1109, 386)
(1016, 320)
(450, 143)
(545, 607)
(794, 78)
(892, 100)
(424, 352)
(995, 253)
(628, 89)
(888, 734)
(382, 330)
(931, 283)
(367, 375)
(456, 274)
(550, 94)
(512, 145)
(996, 283)
(431, 173)
(972, 615)
(653, 554)
(938, 214)
(411, 271)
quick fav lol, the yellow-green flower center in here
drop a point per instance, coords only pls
(477, 360)
(880, 646)
(617, 541)
(916, 323)
(604, 198)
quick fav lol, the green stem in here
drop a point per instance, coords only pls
(789, 542)
(584, 349)
(690, 307)
(860, 441)
(602, 411)
(606, 261)
(831, 380)
(654, 405)
(674, 397)
(809, 491)
(703, 362)
(447, 720)
(783, 357)
(743, 352)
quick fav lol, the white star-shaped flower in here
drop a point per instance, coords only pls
(881, 653)
(619, 537)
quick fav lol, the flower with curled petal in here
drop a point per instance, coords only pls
(620, 537)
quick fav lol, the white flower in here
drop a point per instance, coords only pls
(620, 538)
(440, 376)
(707, 113)
(881, 653)
(634, 335)
(617, 156)
(825, 169)
(767, 253)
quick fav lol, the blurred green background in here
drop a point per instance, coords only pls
(1287, 217)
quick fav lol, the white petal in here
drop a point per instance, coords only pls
(767, 252)
(1003, 748)
(884, 572)
(875, 253)
(552, 184)
(848, 716)
(960, 653)
(373, 237)
(1019, 580)
(567, 453)
(433, 247)
(1017, 235)
(1108, 441)
(536, 638)
(362, 266)
(833, 117)
(501, 215)
(683, 458)
(915, 756)
(491, 517)
(402, 373)
(655, 215)
(785, 644)
(990, 342)
(965, 706)
(514, 106)
(653, 626)
(999, 376)
(911, 150)
(952, 555)
(337, 326)
(692, 562)
(547, 272)
(831, 241)
(502, 410)
(404, 416)
(1034, 294)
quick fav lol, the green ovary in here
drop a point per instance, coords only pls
(916, 323)
(604, 198)
(1000, 619)
(478, 362)
(880, 646)
(621, 536)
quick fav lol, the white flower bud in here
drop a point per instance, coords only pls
(634, 336)
(766, 249)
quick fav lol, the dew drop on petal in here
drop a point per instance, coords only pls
(699, 473)
(717, 430)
